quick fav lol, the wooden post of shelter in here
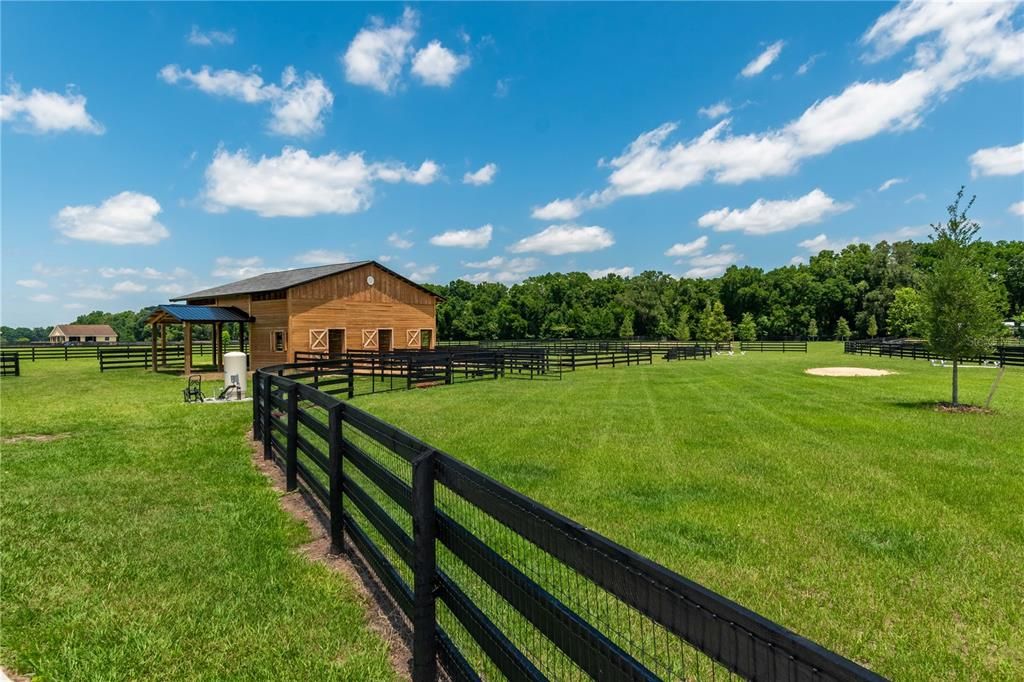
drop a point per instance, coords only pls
(152, 354)
(188, 347)
(163, 344)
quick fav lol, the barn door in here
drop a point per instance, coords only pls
(413, 337)
(335, 341)
(369, 338)
(384, 340)
(318, 339)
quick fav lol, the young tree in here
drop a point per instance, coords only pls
(872, 329)
(746, 330)
(714, 325)
(626, 330)
(812, 330)
(842, 329)
(682, 332)
(905, 312)
(962, 309)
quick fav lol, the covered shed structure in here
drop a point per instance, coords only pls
(187, 316)
(332, 309)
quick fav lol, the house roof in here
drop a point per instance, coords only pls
(285, 279)
(198, 313)
(84, 330)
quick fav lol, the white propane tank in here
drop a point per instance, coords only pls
(234, 366)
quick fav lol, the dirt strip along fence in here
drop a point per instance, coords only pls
(42, 352)
(1009, 355)
(10, 364)
(493, 584)
(774, 346)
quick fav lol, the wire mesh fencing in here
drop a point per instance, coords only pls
(495, 585)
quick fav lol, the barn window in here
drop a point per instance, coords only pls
(279, 341)
(426, 336)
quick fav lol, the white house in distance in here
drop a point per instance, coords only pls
(83, 333)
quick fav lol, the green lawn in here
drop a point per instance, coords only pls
(144, 544)
(846, 509)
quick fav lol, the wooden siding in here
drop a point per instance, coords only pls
(346, 301)
(341, 301)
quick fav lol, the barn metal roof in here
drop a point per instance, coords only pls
(201, 313)
(284, 279)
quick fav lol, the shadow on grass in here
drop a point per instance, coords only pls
(941, 407)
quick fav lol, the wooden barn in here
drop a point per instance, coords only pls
(327, 308)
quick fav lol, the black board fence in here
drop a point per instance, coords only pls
(36, 352)
(10, 364)
(769, 346)
(494, 584)
(128, 357)
(1009, 355)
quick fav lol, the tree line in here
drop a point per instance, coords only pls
(862, 291)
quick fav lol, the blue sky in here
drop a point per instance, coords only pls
(154, 149)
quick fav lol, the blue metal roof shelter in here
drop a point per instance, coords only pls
(187, 315)
(198, 313)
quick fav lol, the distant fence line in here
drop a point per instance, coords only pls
(44, 352)
(494, 584)
(774, 346)
(10, 364)
(1011, 355)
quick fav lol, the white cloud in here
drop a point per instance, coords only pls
(503, 270)
(556, 240)
(43, 111)
(437, 65)
(376, 55)
(74, 306)
(797, 260)
(322, 257)
(998, 160)
(398, 241)
(421, 273)
(891, 182)
(763, 60)
(502, 87)
(92, 294)
(477, 238)
(823, 243)
(559, 209)
(128, 287)
(147, 272)
(125, 218)
(42, 298)
(483, 176)
(1017, 208)
(299, 185)
(171, 289)
(710, 264)
(54, 270)
(208, 38)
(239, 268)
(716, 110)
(920, 196)
(958, 43)
(686, 249)
(767, 217)
(298, 105)
(31, 283)
(621, 272)
(806, 66)
(900, 234)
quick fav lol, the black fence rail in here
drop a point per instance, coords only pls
(10, 365)
(592, 345)
(572, 359)
(46, 352)
(129, 357)
(495, 585)
(774, 346)
(1009, 355)
(688, 353)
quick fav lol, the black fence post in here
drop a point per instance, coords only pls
(448, 370)
(267, 406)
(335, 417)
(351, 379)
(424, 534)
(256, 435)
(291, 464)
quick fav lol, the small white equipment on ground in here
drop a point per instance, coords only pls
(235, 372)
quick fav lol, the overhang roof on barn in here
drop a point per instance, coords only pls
(285, 279)
(196, 313)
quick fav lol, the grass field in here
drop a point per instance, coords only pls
(844, 508)
(144, 544)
